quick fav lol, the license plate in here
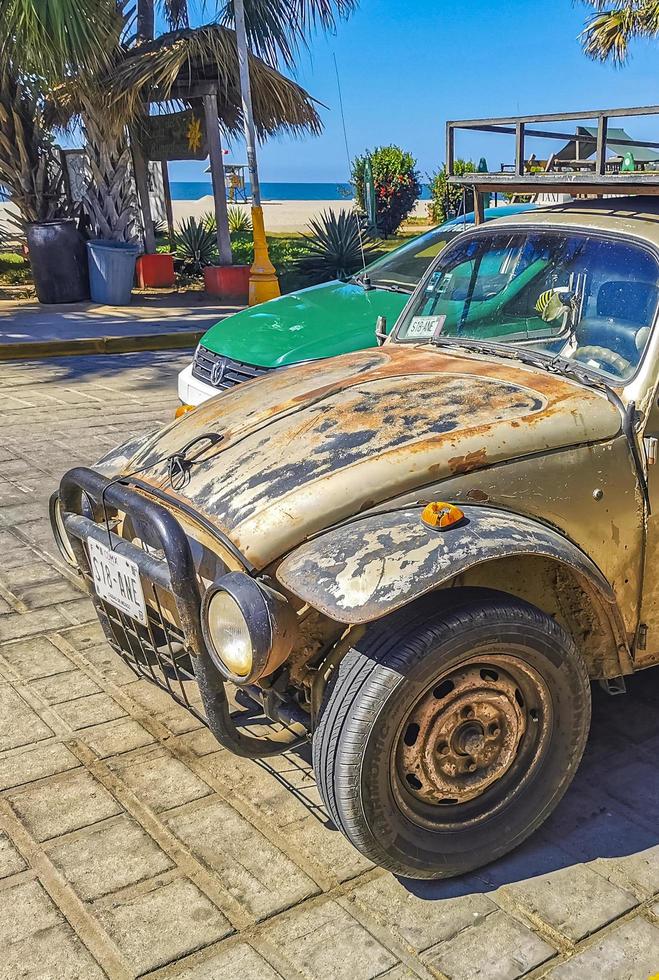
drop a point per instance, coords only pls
(117, 580)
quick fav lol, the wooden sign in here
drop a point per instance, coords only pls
(175, 136)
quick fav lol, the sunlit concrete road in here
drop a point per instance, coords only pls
(131, 844)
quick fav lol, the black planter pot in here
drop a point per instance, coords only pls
(58, 257)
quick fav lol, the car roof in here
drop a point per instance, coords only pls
(505, 210)
(636, 215)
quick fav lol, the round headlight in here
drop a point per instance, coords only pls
(228, 633)
(59, 531)
(248, 627)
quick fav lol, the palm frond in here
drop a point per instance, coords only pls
(176, 13)
(609, 31)
(30, 167)
(277, 28)
(53, 39)
(205, 54)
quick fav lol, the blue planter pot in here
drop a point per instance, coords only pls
(111, 271)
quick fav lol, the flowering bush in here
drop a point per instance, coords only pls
(448, 201)
(396, 182)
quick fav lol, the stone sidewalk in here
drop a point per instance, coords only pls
(155, 320)
(132, 845)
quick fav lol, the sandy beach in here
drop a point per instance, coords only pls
(280, 216)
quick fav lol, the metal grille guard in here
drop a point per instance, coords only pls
(175, 575)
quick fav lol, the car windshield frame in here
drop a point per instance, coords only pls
(526, 350)
(405, 250)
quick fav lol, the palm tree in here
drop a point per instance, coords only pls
(111, 64)
(53, 38)
(275, 28)
(614, 24)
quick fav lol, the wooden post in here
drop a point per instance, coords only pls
(142, 184)
(600, 158)
(519, 149)
(169, 211)
(217, 172)
(479, 207)
(450, 149)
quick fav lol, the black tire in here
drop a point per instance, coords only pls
(402, 667)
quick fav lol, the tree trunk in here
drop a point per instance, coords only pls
(110, 197)
(146, 21)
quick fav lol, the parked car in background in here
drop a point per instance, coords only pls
(321, 321)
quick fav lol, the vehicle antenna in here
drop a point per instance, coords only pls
(345, 140)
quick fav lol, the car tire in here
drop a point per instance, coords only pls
(450, 731)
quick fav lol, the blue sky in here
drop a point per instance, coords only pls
(408, 65)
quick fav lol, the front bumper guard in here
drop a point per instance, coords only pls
(175, 575)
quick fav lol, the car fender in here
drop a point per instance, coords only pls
(360, 571)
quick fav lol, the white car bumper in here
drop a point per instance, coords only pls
(191, 391)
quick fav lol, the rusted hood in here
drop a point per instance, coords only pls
(315, 444)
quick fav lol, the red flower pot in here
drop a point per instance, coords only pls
(155, 271)
(227, 281)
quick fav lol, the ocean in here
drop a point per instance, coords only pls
(193, 190)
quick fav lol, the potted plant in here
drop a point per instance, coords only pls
(156, 271)
(229, 282)
(31, 170)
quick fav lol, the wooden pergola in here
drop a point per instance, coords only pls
(192, 93)
(590, 180)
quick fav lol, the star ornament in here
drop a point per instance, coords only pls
(194, 134)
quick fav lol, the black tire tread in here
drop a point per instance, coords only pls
(359, 688)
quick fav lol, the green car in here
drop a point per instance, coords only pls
(321, 321)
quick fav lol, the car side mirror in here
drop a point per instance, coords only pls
(381, 330)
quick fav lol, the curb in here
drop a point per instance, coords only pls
(177, 340)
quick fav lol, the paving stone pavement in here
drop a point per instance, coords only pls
(132, 845)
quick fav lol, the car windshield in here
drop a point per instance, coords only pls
(404, 268)
(571, 295)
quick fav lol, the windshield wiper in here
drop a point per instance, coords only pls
(500, 350)
(391, 288)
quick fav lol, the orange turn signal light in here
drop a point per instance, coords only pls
(441, 516)
(183, 410)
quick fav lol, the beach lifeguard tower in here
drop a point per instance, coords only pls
(235, 182)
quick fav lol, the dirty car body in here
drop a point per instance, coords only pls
(289, 539)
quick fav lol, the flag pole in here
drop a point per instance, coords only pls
(263, 282)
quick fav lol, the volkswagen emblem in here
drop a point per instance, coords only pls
(217, 371)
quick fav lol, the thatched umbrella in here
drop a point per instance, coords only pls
(176, 67)
(176, 62)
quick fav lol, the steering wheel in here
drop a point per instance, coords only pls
(603, 355)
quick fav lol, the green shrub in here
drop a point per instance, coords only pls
(336, 247)
(14, 270)
(239, 220)
(447, 201)
(284, 250)
(397, 186)
(196, 245)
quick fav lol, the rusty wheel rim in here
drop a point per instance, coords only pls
(471, 741)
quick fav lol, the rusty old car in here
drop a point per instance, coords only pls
(417, 556)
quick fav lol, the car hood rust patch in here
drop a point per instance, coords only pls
(315, 444)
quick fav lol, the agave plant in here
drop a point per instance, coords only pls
(195, 245)
(239, 220)
(337, 246)
(209, 221)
